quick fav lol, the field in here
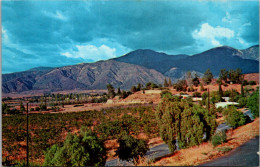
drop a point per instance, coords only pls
(48, 129)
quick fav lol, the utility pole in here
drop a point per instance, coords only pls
(208, 100)
(27, 148)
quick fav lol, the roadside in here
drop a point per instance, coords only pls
(206, 152)
(244, 155)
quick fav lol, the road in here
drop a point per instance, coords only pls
(244, 155)
(154, 152)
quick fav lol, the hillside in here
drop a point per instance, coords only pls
(216, 59)
(140, 66)
(251, 53)
(83, 76)
(150, 59)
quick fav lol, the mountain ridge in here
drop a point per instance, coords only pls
(142, 65)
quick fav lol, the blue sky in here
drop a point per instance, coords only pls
(59, 33)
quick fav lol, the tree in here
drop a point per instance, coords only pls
(22, 108)
(208, 76)
(201, 87)
(170, 82)
(234, 118)
(220, 90)
(5, 109)
(148, 85)
(111, 91)
(253, 103)
(183, 121)
(133, 89)
(235, 75)
(131, 148)
(242, 91)
(139, 86)
(181, 85)
(118, 91)
(83, 150)
(165, 84)
(223, 75)
(189, 78)
(196, 80)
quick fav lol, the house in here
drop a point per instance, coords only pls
(225, 104)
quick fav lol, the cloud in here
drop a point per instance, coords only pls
(102, 52)
(212, 34)
(57, 15)
(57, 33)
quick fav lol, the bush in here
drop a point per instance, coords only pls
(196, 94)
(252, 83)
(219, 138)
(242, 101)
(131, 148)
(83, 150)
(234, 118)
(253, 103)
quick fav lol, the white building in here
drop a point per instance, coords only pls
(225, 104)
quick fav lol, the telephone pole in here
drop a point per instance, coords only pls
(208, 100)
(27, 139)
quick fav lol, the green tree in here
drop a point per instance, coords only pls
(242, 91)
(196, 80)
(165, 84)
(133, 89)
(253, 103)
(118, 91)
(223, 75)
(235, 75)
(183, 121)
(201, 87)
(131, 148)
(5, 109)
(220, 91)
(170, 82)
(83, 150)
(139, 86)
(22, 108)
(208, 76)
(233, 117)
(111, 91)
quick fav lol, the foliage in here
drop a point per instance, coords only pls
(242, 101)
(131, 148)
(208, 76)
(235, 75)
(47, 129)
(133, 89)
(252, 83)
(83, 150)
(253, 103)
(111, 91)
(219, 138)
(224, 149)
(233, 117)
(196, 80)
(196, 94)
(22, 108)
(181, 85)
(165, 84)
(183, 121)
(201, 87)
(223, 75)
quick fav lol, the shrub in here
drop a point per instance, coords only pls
(219, 138)
(83, 150)
(131, 148)
(224, 149)
(233, 117)
(252, 83)
(253, 103)
(196, 94)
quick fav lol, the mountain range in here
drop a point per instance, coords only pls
(139, 66)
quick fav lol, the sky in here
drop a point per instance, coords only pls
(60, 33)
